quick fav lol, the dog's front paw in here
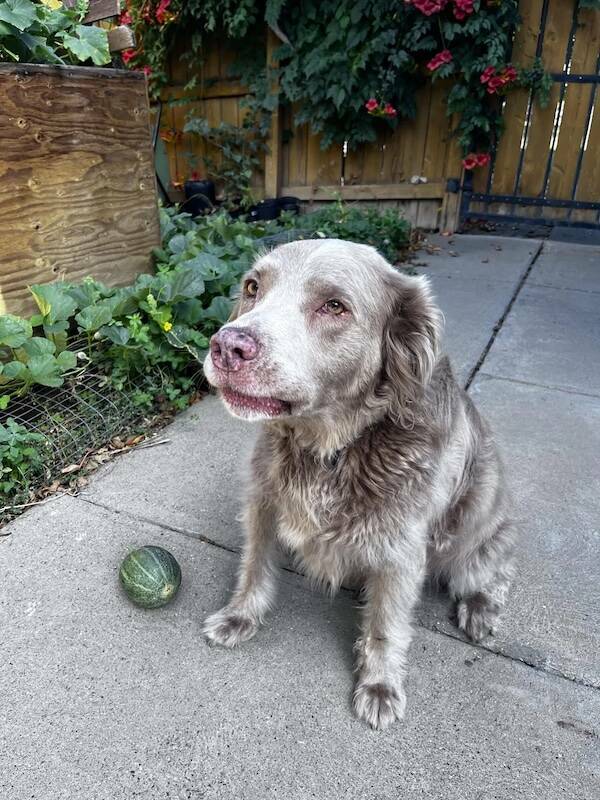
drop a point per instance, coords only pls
(379, 704)
(229, 628)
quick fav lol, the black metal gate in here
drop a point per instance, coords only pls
(544, 208)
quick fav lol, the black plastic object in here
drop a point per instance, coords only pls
(199, 197)
(272, 208)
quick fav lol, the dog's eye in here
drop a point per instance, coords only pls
(334, 307)
(251, 288)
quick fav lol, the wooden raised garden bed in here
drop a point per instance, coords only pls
(77, 183)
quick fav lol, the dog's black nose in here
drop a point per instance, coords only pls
(232, 348)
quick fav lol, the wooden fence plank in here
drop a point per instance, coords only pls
(539, 140)
(98, 9)
(120, 38)
(515, 109)
(588, 188)
(375, 191)
(576, 106)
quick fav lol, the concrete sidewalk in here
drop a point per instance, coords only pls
(104, 700)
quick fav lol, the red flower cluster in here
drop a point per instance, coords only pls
(377, 109)
(495, 80)
(128, 55)
(428, 7)
(125, 18)
(462, 9)
(476, 160)
(162, 14)
(445, 57)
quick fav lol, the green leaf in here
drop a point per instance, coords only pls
(39, 48)
(177, 244)
(189, 311)
(94, 317)
(219, 309)
(117, 334)
(38, 346)
(89, 43)
(67, 360)
(4, 401)
(182, 284)
(57, 333)
(14, 331)
(207, 266)
(54, 301)
(122, 303)
(84, 294)
(14, 370)
(19, 13)
(45, 370)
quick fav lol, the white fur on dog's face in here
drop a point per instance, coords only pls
(310, 355)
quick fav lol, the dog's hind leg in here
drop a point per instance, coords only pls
(479, 578)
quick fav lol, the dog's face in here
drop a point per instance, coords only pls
(320, 324)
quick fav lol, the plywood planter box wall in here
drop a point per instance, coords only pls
(77, 185)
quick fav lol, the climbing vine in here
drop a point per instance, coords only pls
(353, 67)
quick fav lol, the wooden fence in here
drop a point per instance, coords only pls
(548, 164)
(296, 165)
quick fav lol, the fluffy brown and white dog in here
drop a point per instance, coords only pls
(371, 465)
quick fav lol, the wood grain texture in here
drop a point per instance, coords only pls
(77, 185)
(98, 9)
(374, 191)
(120, 38)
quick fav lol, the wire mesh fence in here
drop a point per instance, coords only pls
(81, 415)
(67, 425)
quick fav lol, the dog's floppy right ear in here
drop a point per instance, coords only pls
(410, 340)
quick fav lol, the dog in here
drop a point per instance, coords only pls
(372, 466)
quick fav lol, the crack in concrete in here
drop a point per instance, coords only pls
(510, 655)
(549, 387)
(564, 288)
(498, 326)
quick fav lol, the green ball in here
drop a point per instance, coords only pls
(150, 576)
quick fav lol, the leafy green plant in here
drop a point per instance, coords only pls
(21, 459)
(240, 149)
(387, 230)
(45, 31)
(26, 359)
(159, 327)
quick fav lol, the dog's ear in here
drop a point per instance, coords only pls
(410, 340)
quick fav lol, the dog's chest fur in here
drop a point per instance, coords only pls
(335, 515)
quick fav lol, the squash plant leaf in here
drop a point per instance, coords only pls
(66, 360)
(89, 43)
(94, 317)
(19, 13)
(37, 346)
(219, 309)
(44, 370)
(14, 331)
(182, 284)
(115, 333)
(54, 302)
